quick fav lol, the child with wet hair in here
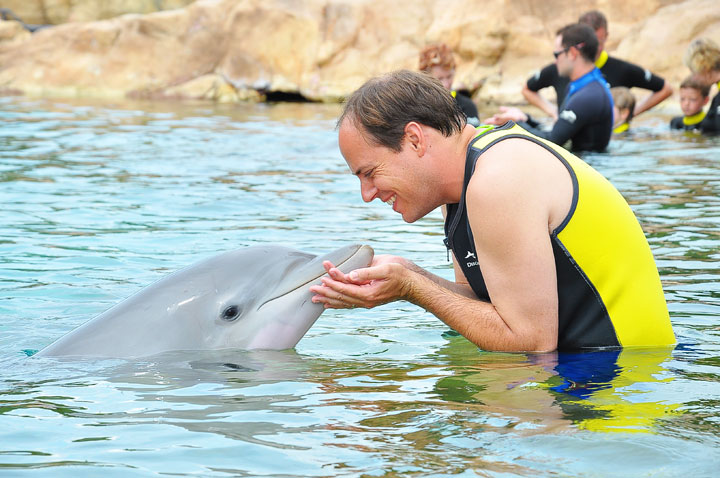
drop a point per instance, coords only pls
(703, 58)
(438, 61)
(694, 95)
(623, 108)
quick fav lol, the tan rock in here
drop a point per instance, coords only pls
(660, 41)
(234, 50)
(55, 12)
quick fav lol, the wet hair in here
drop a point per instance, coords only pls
(384, 105)
(702, 56)
(694, 83)
(595, 19)
(436, 55)
(580, 34)
(624, 100)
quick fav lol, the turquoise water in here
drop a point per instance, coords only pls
(100, 200)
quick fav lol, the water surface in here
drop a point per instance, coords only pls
(99, 200)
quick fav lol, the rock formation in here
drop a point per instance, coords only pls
(234, 50)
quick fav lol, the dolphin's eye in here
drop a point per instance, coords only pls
(231, 313)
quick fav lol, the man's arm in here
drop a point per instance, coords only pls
(535, 99)
(544, 78)
(515, 255)
(630, 75)
(653, 99)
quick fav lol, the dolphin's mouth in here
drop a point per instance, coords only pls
(361, 256)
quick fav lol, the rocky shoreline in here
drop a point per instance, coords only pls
(318, 50)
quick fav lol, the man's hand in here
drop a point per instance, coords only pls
(506, 113)
(385, 280)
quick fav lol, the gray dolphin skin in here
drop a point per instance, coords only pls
(251, 298)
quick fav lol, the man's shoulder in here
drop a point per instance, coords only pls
(613, 61)
(624, 73)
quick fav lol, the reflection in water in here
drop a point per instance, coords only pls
(602, 391)
(614, 390)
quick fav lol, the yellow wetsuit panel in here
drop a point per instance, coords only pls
(609, 289)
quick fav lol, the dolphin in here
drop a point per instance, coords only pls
(251, 298)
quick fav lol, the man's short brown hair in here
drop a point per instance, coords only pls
(595, 18)
(385, 104)
(582, 37)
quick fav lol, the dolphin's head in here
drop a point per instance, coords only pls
(252, 298)
(275, 310)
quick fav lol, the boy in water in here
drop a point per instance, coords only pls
(694, 95)
(623, 108)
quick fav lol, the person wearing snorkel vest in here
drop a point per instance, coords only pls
(694, 95)
(617, 72)
(623, 107)
(438, 61)
(586, 115)
(703, 59)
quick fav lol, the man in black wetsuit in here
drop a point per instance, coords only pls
(703, 59)
(586, 115)
(617, 73)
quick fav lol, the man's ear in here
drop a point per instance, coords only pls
(705, 101)
(415, 138)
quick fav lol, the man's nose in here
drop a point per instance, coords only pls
(367, 190)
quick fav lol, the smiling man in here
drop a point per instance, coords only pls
(547, 253)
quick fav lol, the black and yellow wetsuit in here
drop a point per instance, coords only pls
(609, 290)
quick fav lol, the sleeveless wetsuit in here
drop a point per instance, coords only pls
(585, 117)
(617, 73)
(609, 290)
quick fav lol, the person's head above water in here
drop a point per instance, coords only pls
(623, 105)
(576, 48)
(597, 21)
(438, 61)
(703, 58)
(383, 106)
(694, 95)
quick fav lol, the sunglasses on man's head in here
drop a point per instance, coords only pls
(556, 54)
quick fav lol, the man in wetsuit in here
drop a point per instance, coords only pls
(586, 115)
(538, 265)
(617, 73)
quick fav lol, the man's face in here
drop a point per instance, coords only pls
(602, 36)
(691, 101)
(445, 75)
(384, 174)
(563, 63)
